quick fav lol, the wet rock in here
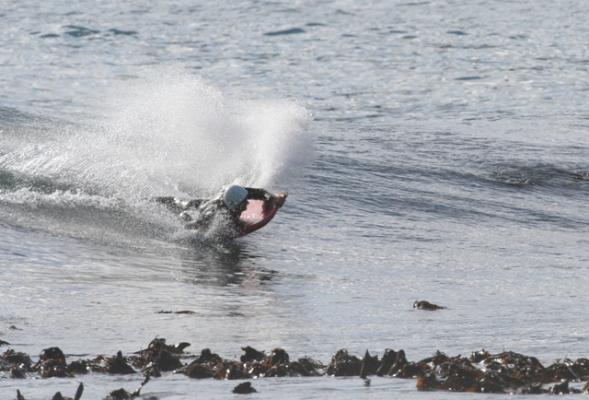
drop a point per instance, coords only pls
(122, 394)
(52, 363)
(207, 365)
(53, 354)
(232, 370)
(153, 356)
(279, 357)
(18, 373)
(298, 369)
(409, 370)
(478, 356)
(159, 344)
(78, 367)
(399, 364)
(567, 369)
(198, 371)
(388, 359)
(77, 396)
(279, 371)
(16, 359)
(118, 365)
(427, 382)
(315, 368)
(532, 389)
(251, 354)
(561, 388)
(514, 368)
(426, 305)
(166, 361)
(119, 394)
(19, 395)
(3, 343)
(244, 388)
(369, 365)
(206, 356)
(343, 364)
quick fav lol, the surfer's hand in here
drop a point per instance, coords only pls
(280, 198)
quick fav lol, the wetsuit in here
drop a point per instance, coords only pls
(209, 211)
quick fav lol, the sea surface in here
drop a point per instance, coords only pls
(432, 150)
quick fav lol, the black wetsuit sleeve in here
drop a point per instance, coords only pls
(258, 194)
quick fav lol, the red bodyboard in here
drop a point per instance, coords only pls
(255, 216)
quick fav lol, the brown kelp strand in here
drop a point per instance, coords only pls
(482, 371)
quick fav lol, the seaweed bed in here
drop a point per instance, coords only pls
(506, 372)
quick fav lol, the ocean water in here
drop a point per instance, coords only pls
(432, 150)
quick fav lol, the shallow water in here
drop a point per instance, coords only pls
(432, 150)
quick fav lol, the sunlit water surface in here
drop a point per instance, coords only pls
(432, 150)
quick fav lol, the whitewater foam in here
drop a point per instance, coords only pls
(166, 133)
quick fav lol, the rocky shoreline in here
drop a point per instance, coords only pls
(506, 372)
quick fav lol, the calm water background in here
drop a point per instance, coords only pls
(432, 150)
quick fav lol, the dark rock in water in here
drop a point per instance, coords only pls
(153, 357)
(14, 328)
(51, 363)
(78, 367)
(251, 354)
(14, 358)
(567, 369)
(561, 388)
(427, 382)
(206, 356)
(279, 357)
(291, 31)
(409, 370)
(478, 356)
(244, 388)
(295, 368)
(19, 395)
(166, 361)
(400, 362)
(369, 365)
(533, 389)
(118, 365)
(516, 369)
(315, 368)
(232, 370)
(3, 343)
(49, 36)
(343, 364)
(18, 373)
(279, 371)
(426, 305)
(120, 394)
(159, 344)
(586, 388)
(198, 371)
(388, 359)
(52, 353)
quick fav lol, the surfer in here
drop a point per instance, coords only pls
(225, 208)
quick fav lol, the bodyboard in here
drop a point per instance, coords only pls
(255, 216)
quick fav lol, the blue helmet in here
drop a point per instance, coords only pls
(234, 195)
